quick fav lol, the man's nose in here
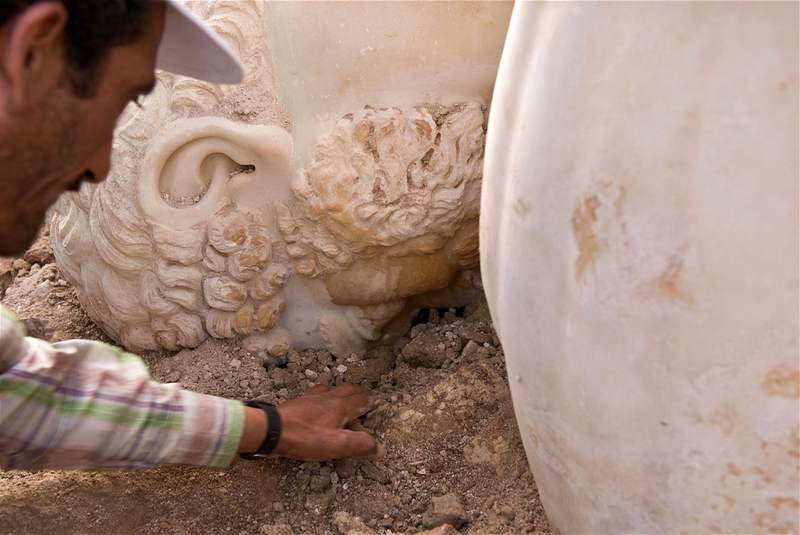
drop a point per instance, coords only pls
(100, 163)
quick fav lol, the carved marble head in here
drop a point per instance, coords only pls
(217, 221)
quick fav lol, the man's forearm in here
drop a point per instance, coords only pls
(83, 404)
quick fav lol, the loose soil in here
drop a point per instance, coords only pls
(443, 411)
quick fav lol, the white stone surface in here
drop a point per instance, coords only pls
(639, 248)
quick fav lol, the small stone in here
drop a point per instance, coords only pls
(445, 529)
(49, 272)
(427, 351)
(346, 468)
(235, 364)
(416, 330)
(19, 264)
(476, 280)
(276, 529)
(269, 397)
(319, 503)
(508, 513)
(483, 353)
(469, 349)
(341, 368)
(480, 332)
(325, 358)
(375, 473)
(319, 483)
(173, 377)
(324, 379)
(347, 524)
(308, 359)
(447, 509)
(40, 253)
(311, 374)
(280, 377)
(377, 362)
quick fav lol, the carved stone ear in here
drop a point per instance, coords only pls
(196, 165)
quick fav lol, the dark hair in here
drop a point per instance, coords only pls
(93, 28)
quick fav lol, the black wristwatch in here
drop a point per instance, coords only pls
(273, 429)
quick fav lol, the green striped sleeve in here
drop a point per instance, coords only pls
(234, 436)
(116, 413)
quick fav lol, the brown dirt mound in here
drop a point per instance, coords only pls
(444, 412)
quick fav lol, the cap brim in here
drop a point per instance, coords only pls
(190, 48)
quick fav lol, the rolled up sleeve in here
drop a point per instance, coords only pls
(83, 404)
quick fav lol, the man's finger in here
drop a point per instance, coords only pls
(346, 443)
(355, 405)
(317, 389)
(347, 389)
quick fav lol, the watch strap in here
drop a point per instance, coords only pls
(274, 426)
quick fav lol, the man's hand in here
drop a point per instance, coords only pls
(313, 425)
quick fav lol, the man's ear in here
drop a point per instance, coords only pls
(32, 55)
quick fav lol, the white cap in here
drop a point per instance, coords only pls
(191, 48)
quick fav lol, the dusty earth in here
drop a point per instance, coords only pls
(444, 412)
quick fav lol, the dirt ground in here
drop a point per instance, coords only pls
(444, 414)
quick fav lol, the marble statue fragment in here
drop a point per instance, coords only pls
(649, 173)
(217, 222)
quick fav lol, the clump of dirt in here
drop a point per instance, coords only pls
(454, 456)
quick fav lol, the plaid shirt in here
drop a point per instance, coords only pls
(82, 404)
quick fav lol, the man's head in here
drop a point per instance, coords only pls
(67, 70)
